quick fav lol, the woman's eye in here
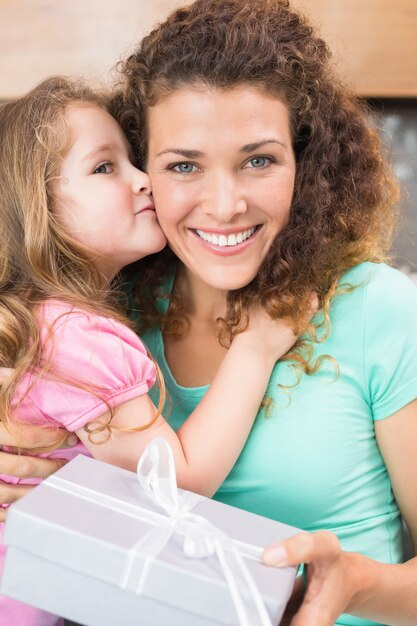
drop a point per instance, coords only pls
(183, 168)
(258, 162)
(104, 168)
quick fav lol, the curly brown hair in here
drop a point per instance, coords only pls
(345, 198)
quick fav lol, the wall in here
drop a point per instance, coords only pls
(86, 37)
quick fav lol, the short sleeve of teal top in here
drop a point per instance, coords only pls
(312, 460)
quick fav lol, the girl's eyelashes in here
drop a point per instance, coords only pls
(104, 168)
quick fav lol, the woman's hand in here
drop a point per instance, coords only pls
(333, 577)
(23, 466)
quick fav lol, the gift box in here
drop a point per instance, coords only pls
(94, 544)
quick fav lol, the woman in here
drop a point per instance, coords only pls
(269, 184)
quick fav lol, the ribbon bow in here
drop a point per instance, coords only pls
(156, 474)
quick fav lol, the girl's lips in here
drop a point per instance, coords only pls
(146, 208)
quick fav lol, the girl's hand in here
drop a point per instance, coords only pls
(275, 337)
(333, 577)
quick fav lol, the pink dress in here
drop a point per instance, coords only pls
(88, 350)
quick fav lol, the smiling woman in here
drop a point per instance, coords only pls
(247, 134)
(223, 188)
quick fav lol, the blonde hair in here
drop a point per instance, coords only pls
(39, 259)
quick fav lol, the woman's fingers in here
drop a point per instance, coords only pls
(21, 466)
(12, 493)
(35, 438)
(303, 548)
(9, 494)
(329, 583)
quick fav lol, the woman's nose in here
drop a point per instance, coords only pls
(224, 198)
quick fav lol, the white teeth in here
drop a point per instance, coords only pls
(223, 240)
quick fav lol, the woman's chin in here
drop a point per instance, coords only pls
(226, 279)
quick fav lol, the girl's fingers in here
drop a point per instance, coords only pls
(4, 373)
(314, 303)
(21, 466)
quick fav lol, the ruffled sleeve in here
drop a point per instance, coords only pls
(95, 362)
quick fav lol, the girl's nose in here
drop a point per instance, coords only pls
(141, 182)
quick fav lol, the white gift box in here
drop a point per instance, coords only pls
(96, 546)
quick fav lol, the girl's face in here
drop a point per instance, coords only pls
(222, 168)
(101, 198)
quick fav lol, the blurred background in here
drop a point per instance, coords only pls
(374, 45)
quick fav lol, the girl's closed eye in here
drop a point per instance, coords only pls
(104, 168)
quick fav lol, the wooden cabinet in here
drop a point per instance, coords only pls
(84, 37)
(374, 41)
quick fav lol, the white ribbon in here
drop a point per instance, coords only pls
(156, 474)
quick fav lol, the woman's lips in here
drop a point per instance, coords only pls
(226, 242)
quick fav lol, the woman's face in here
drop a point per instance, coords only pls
(222, 168)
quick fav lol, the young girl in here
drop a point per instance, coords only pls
(74, 211)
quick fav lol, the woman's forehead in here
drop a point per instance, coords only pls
(199, 111)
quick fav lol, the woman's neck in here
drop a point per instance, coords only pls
(199, 299)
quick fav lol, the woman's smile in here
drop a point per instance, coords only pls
(227, 242)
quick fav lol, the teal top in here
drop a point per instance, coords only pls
(312, 460)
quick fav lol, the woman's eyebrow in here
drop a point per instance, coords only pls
(197, 154)
(251, 147)
(188, 154)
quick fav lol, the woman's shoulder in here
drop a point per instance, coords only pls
(376, 302)
(379, 281)
(374, 298)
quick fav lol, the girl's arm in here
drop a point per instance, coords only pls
(340, 581)
(208, 444)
